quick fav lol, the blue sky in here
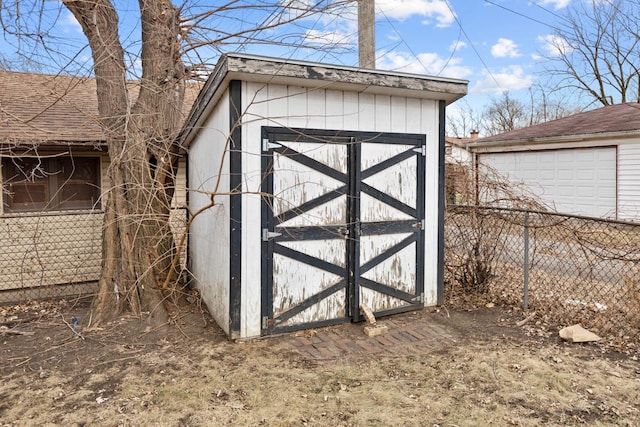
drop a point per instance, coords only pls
(495, 44)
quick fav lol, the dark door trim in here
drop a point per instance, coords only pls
(352, 184)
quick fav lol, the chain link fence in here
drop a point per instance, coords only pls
(568, 269)
(55, 255)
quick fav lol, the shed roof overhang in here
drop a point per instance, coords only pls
(262, 69)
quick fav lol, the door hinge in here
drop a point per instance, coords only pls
(419, 225)
(422, 150)
(267, 323)
(419, 298)
(268, 145)
(268, 235)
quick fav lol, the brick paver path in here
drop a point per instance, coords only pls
(406, 334)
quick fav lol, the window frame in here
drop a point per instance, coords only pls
(54, 181)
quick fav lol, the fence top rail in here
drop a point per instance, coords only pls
(550, 213)
(50, 213)
(38, 214)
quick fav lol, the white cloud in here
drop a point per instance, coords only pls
(456, 45)
(402, 9)
(69, 23)
(505, 48)
(510, 78)
(557, 4)
(425, 63)
(553, 45)
(297, 4)
(333, 38)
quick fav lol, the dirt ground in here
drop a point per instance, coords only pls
(489, 371)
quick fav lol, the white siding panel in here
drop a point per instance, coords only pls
(426, 121)
(296, 104)
(270, 101)
(209, 233)
(413, 123)
(277, 106)
(334, 109)
(629, 181)
(383, 113)
(316, 108)
(366, 112)
(575, 181)
(351, 107)
(399, 114)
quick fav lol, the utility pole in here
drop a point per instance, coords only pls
(366, 33)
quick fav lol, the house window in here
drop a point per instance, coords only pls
(46, 184)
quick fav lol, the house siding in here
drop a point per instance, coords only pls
(43, 250)
(60, 248)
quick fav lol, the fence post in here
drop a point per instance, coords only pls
(525, 297)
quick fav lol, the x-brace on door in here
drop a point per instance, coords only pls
(342, 225)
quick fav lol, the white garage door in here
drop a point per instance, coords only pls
(580, 181)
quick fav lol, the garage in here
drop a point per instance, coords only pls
(583, 164)
(580, 181)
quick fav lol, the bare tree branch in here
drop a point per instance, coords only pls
(597, 51)
(140, 124)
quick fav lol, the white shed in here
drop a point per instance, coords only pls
(584, 164)
(328, 184)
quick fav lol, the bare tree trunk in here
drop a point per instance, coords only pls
(138, 245)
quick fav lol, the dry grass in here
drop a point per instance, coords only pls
(485, 376)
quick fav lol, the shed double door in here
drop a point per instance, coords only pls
(342, 226)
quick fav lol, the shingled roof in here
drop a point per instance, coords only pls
(54, 109)
(612, 119)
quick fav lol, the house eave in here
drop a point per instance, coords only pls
(260, 69)
(17, 144)
(531, 143)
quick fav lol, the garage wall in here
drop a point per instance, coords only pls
(290, 106)
(629, 181)
(580, 181)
